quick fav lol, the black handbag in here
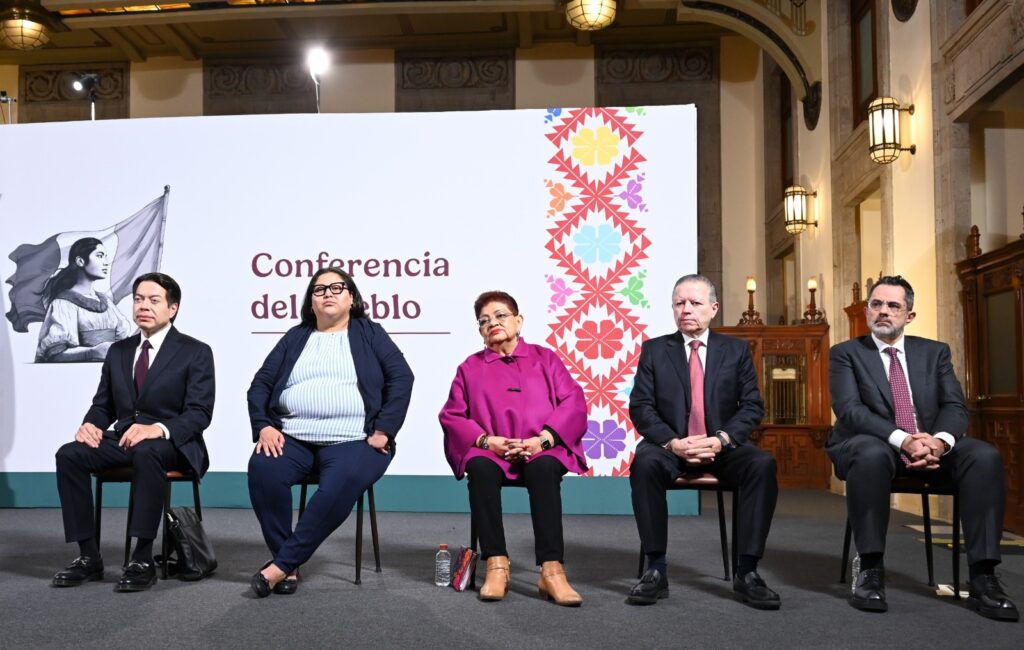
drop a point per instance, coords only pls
(193, 552)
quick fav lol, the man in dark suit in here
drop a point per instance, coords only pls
(695, 401)
(154, 400)
(888, 425)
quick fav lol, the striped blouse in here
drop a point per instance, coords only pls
(322, 397)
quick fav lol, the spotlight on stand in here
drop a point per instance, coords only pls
(318, 62)
(86, 82)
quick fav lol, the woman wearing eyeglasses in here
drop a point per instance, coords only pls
(330, 398)
(515, 414)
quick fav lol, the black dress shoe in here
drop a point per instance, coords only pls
(988, 599)
(869, 594)
(652, 587)
(82, 569)
(137, 576)
(288, 586)
(753, 590)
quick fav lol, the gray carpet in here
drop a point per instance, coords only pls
(400, 607)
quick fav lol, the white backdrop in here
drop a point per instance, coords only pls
(481, 193)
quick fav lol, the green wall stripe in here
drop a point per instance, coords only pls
(602, 495)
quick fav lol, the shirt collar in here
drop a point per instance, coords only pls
(703, 338)
(157, 339)
(490, 356)
(900, 344)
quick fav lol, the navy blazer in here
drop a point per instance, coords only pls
(178, 393)
(862, 399)
(382, 375)
(659, 404)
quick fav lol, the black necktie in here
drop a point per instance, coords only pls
(142, 366)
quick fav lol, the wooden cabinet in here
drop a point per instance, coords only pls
(792, 368)
(993, 301)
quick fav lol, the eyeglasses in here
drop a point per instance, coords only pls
(499, 318)
(335, 287)
(894, 307)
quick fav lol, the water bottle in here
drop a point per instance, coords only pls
(854, 572)
(443, 567)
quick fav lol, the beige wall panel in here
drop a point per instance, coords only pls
(359, 81)
(166, 87)
(743, 216)
(554, 75)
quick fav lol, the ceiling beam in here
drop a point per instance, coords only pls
(173, 35)
(114, 36)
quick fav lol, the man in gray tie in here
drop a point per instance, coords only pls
(695, 401)
(900, 411)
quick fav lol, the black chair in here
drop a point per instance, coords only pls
(124, 475)
(314, 479)
(924, 487)
(708, 483)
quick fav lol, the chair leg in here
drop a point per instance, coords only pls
(926, 510)
(846, 551)
(472, 545)
(956, 546)
(99, 508)
(359, 540)
(735, 520)
(163, 527)
(373, 529)
(195, 498)
(128, 526)
(721, 531)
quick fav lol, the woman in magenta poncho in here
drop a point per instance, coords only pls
(515, 413)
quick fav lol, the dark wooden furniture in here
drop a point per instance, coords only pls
(993, 302)
(708, 483)
(915, 485)
(124, 475)
(314, 479)
(792, 368)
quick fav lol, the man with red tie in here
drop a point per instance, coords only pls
(900, 411)
(154, 400)
(695, 401)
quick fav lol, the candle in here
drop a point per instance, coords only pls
(812, 284)
(751, 284)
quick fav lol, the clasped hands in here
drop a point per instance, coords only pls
(924, 451)
(271, 442)
(696, 450)
(91, 435)
(513, 449)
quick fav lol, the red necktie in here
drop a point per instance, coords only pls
(695, 426)
(142, 366)
(901, 397)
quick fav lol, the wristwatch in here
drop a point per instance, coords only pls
(545, 444)
(727, 445)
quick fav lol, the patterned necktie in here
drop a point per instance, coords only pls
(900, 393)
(695, 426)
(142, 366)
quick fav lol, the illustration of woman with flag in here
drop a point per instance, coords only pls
(81, 322)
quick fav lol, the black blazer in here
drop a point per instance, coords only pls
(862, 399)
(382, 375)
(659, 404)
(178, 393)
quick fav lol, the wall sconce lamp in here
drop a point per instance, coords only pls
(813, 315)
(590, 15)
(795, 209)
(751, 316)
(884, 130)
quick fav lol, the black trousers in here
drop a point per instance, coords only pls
(542, 478)
(868, 465)
(150, 461)
(749, 468)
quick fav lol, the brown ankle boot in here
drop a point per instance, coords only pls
(554, 585)
(496, 584)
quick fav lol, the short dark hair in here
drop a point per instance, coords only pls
(488, 297)
(896, 281)
(697, 277)
(167, 282)
(358, 308)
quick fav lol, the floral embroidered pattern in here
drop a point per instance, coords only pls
(599, 340)
(604, 439)
(597, 244)
(633, 291)
(560, 291)
(598, 146)
(632, 194)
